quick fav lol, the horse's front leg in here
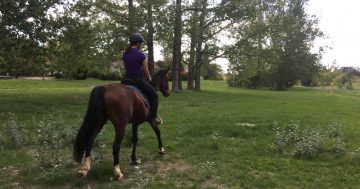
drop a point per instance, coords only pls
(158, 135)
(134, 143)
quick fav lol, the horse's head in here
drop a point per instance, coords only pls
(160, 81)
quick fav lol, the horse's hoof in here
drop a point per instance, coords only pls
(117, 173)
(118, 176)
(134, 163)
(82, 173)
(162, 151)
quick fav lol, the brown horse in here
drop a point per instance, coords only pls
(121, 105)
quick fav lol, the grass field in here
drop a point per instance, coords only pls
(220, 137)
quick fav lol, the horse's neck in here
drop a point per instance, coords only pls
(154, 81)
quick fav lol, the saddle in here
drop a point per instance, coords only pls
(144, 97)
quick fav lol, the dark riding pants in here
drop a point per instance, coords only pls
(147, 89)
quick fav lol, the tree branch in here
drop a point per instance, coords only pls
(197, 9)
(215, 21)
(221, 29)
(216, 56)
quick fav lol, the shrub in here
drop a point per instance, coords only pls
(309, 143)
(306, 141)
(13, 134)
(342, 80)
(110, 76)
(50, 144)
(216, 139)
(107, 75)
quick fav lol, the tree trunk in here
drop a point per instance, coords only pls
(150, 36)
(190, 82)
(176, 48)
(198, 72)
(191, 67)
(180, 74)
(199, 51)
(131, 18)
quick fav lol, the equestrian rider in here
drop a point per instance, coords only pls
(136, 68)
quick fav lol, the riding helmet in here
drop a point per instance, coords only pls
(135, 38)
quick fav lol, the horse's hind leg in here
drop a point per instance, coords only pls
(134, 143)
(120, 131)
(158, 135)
(85, 168)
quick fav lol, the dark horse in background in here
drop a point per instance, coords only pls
(121, 105)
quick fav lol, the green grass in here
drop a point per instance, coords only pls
(206, 145)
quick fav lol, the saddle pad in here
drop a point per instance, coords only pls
(145, 98)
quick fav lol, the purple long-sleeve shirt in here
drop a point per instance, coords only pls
(133, 61)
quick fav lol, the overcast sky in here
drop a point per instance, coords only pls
(340, 20)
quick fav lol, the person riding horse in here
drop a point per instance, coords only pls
(136, 68)
(122, 105)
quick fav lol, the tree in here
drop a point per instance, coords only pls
(25, 26)
(177, 49)
(292, 43)
(150, 17)
(207, 22)
(150, 34)
(131, 18)
(192, 32)
(278, 43)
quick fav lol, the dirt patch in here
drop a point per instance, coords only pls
(249, 125)
(9, 173)
(159, 171)
(163, 168)
(180, 173)
(32, 152)
(37, 78)
(5, 77)
(212, 183)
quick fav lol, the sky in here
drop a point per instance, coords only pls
(339, 20)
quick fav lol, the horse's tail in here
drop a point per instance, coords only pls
(95, 116)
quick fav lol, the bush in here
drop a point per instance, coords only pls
(105, 75)
(58, 75)
(81, 74)
(13, 134)
(110, 76)
(52, 142)
(307, 142)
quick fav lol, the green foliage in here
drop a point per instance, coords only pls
(13, 133)
(52, 144)
(326, 77)
(25, 28)
(71, 38)
(277, 42)
(332, 77)
(212, 72)
(343, 80)
(308, 141)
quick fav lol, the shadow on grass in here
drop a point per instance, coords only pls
(67, 177)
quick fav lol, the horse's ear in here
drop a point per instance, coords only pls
(167, 70)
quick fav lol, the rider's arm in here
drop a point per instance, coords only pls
(146, 69)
